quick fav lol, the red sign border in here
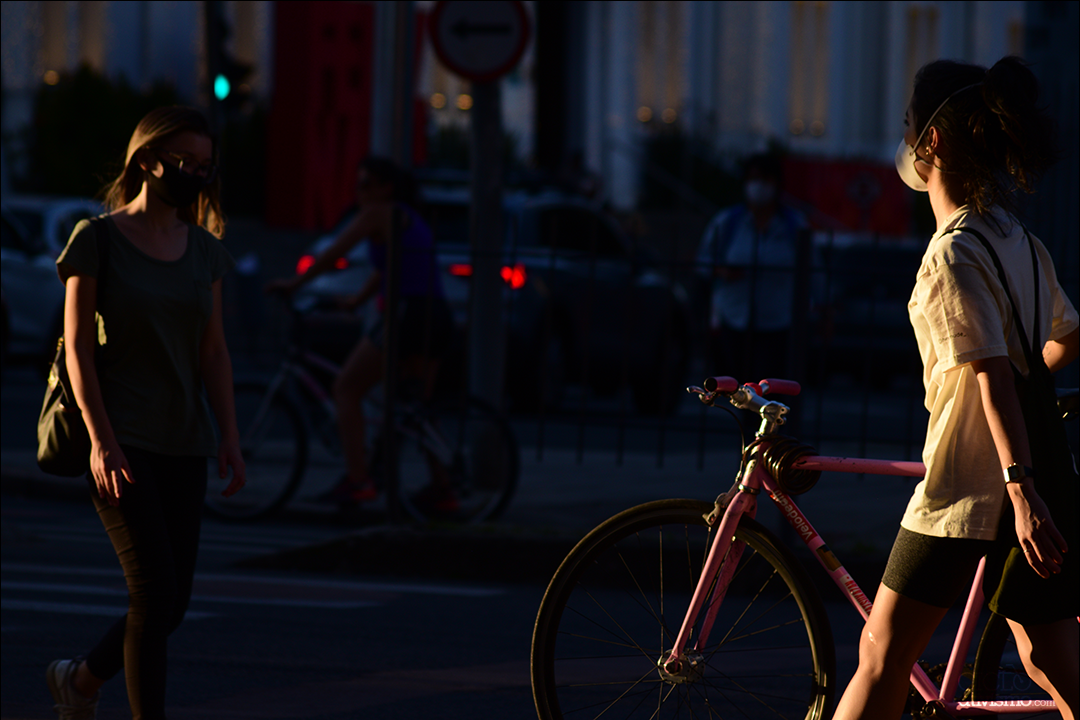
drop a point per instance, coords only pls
(506, 67)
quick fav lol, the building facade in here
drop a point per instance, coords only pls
(821, 78)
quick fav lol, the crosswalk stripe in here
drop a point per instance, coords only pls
(81, 608)
(360, 585)
(118, 592)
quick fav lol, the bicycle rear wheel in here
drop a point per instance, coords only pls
(457, 462)
(615, 605)
(274, 444)
(999, 673)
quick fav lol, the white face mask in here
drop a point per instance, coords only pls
(759, 192)
(906, 156)
(905, 165)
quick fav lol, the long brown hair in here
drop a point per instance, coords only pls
(159, 125)
(999, 139)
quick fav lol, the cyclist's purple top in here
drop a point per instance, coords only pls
(419, 270)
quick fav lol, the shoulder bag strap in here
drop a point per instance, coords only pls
(1005, 284)
(101, 233)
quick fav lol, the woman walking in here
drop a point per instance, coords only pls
(973, 138)
(159, 322)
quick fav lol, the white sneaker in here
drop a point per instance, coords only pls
(70, 704)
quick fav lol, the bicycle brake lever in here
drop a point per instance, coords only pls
(703, 395)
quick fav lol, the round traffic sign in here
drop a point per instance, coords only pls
(479, 41)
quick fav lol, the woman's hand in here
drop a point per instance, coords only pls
(110, 469)
(1039, 537)
(229, 456)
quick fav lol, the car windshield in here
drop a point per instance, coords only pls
(575, 230)
(449, 223)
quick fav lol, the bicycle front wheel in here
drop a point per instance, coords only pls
(457, 462)
(614, 607)
(273, 441)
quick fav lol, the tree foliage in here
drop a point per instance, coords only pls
(80, 132)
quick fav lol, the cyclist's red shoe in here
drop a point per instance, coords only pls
(347, 492)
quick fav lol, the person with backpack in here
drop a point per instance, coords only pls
(992, 323)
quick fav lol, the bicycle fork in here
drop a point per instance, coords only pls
(714, 581)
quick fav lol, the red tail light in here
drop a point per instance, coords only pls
(307, 261)
(514, 276)
(461, 270)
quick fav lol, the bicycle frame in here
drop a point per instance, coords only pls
(297, 368)
(750, 483)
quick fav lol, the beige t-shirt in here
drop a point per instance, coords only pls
(960, 313)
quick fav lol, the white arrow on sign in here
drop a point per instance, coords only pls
(479, 40)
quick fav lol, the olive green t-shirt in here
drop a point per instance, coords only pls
(152, 319)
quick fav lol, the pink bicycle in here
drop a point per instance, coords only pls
(682, 608)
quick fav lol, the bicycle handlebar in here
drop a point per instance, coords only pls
(726, 385)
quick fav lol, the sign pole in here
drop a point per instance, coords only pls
(487, 326)
(482, 41)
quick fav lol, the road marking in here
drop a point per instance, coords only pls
(119, 592)
(211, 541)
(82, 609)
(362, 586)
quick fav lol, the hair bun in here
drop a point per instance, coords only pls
(1011, 88)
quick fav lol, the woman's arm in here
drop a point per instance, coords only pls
(371, 287)
(107, 461)
(215, 365)
(1059, 353)
(372, 223)
(1038, 536)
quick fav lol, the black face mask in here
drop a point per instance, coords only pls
(174, 187)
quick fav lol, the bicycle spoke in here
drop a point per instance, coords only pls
(605, 642)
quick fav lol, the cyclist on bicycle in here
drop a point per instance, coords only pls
(973, 138)
(425, 325)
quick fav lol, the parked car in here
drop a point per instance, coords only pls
(865, 331)
(50, 219)
(585, 305)
(35, 230)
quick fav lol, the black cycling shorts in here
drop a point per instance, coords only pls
(933, 570)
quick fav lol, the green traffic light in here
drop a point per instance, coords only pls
(221, 87)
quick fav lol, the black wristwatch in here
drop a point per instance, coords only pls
(1016, 473)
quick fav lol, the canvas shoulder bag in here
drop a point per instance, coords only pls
(63, 442)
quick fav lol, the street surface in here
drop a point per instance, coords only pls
(314, 614)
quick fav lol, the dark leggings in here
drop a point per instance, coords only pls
(155, 532)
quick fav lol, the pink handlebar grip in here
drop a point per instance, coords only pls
(722, 384)
(780, 387)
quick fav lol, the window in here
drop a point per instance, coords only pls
(809, 67)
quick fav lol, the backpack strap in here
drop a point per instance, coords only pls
(1005, 284)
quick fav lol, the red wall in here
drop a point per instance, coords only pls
(850, 194)
(320, 118)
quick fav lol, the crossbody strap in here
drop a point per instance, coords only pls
(1005, 285)
(101, 234)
